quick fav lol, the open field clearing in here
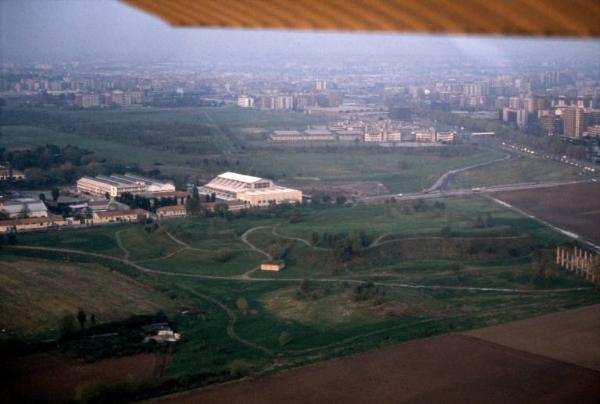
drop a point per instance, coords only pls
(37, 293)
(28, 136)
(204, 131)
(99, 239)
(399, 171)
(218, 262)
(142, 245)
(517, 170)
(457, 368)
(575, 208)
(356, 278)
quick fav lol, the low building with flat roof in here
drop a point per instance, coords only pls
(23, 207)
(31, 223)
(274, 266)
(171, 211)
(8, 174)
(115, 216)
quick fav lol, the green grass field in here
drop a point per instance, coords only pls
(192, 140)
(521, 169)
(36, 293)
(400, 171)
(422, 272)
(147, 135)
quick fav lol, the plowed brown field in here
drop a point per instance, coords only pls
(574, 207)
(52, 377)
(456, 368)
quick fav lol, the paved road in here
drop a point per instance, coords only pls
(441, 182)
(463, 192)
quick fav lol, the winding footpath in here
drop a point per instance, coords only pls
(246, 278)
(252, 246)
(121, 246)
(288, 280)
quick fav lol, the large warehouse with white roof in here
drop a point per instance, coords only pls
(254, 191)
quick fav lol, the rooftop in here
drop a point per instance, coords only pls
(31, 220)
(116, 213)
(239, 177)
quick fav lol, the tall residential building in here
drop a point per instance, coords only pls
(573, 124)
(552, 125)
(87, 100)
(244, 101)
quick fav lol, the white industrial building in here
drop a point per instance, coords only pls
(26, 207)
(253, 191)
(116, 185)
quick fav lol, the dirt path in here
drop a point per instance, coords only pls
(121, 246)
(164, 257)
(301, 240)
(292, 280)
(379, 243)
(177, 241)
(252, 246)
(232, 319)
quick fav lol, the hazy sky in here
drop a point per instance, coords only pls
(65, 30)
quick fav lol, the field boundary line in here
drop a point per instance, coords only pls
(567, 233)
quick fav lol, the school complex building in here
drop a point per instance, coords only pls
(253, 191)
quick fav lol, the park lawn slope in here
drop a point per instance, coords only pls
(36, 293)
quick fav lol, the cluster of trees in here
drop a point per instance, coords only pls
(68, 322)
(114, 339)
(543, 267)
(9, 238)
(421, 206)
(417, 206)
(482, 222)
(345, 245)
(280, 249)
(307, 291)
(188, 138)
(326, 200)
(367, 291)
(138, 201)
(54, 165)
